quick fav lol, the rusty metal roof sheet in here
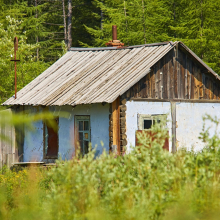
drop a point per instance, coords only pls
(91, 75)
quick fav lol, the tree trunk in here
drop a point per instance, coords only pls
(126, 23)
(37, 40)
(64, 21)
(201, 27)
(69, 20)
(144, 22)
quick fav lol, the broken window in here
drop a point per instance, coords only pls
(51, 139)
(82, 133)
(145, 123)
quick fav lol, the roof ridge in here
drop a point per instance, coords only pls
(117, 48)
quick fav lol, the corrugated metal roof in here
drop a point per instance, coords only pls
(91, 75)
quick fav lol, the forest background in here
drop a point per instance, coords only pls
(47, 28)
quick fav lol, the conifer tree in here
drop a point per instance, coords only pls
(138, 21)
(198, 27)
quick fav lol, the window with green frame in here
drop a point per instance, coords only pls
(82, 132)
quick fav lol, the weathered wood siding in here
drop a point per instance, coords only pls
(8, 151)
(176, 76)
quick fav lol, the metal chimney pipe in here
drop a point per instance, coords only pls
(114, 32)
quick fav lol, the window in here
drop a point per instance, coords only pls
(145, 123)
(51, 140)
(82, 133)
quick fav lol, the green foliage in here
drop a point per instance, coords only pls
(18, 120)
(27, 69)
(194, 22)
(147, 183)
(138, 21)
(197, 25)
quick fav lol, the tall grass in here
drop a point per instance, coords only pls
(147, 183)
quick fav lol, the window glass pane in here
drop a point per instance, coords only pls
(81, 146)
(80, 125)
(86, 135)
(147, 124)
(86, 146)
(80, 136)
(45, 139)
(86, 125)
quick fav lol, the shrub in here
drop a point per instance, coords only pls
(147, 183)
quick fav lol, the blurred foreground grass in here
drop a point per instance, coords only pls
(147, 183)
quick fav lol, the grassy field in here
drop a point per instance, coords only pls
(148, 183)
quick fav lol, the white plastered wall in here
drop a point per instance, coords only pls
(142, 107)
(189, 123)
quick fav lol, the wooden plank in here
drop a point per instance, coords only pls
(196, 82)
(210, 89)
(116, 123)
(188, 79)
(186, 95)
(215, 91)
(132, 91)
(142, 86)
(19, 137)
(201, 95)
(175, 73)
(165, 73)
(182, 58)
(203, 83)
(148, 85)
(161, 73)
(178, 73)
(171, 73)
(218, 91)
(192, 81)
(206, 87)
(136, 89)
(128, 93)
(173, 115)
(169, 85)
(152, 82)
(157, 79)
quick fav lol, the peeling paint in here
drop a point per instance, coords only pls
(190, 122)
(138, 107)
(99, 119)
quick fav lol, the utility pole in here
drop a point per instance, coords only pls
(15, 60)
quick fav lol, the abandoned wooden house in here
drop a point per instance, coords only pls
(110, 93)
